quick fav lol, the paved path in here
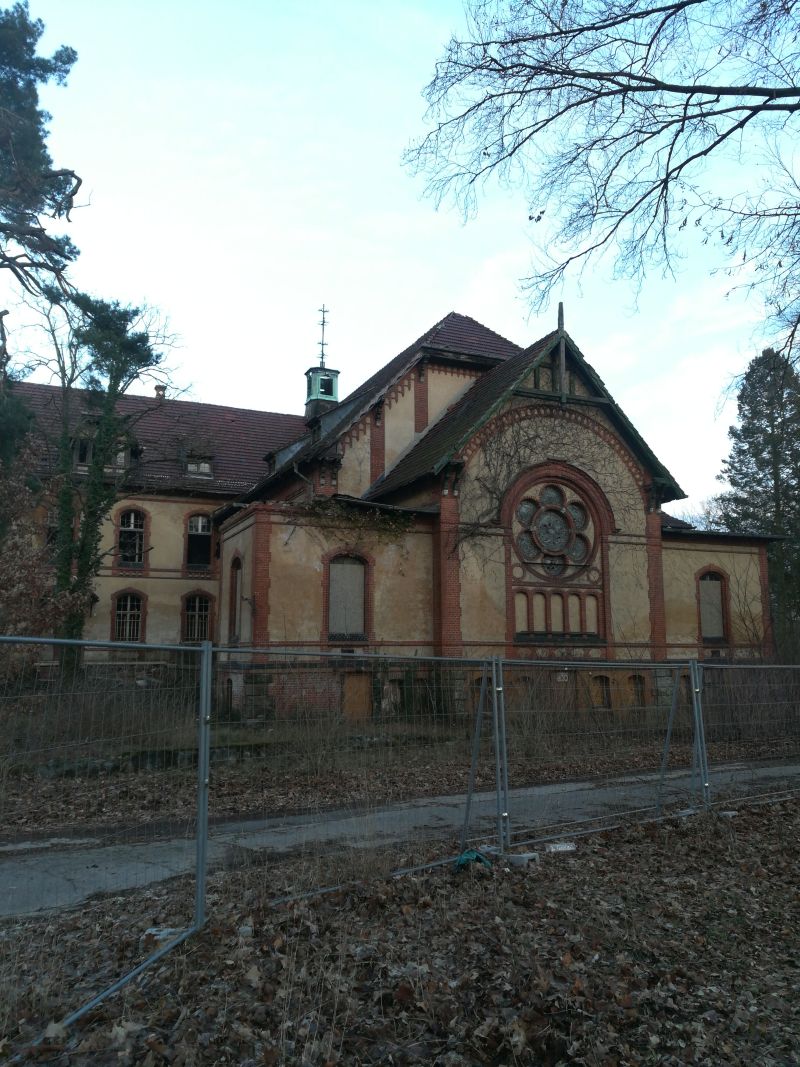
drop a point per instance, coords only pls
(64, 872)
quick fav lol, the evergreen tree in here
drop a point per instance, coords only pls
(763, 473)
(30, 186)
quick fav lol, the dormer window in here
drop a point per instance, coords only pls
(83, 454)
(197, 467)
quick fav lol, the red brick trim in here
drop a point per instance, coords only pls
(368, 560)
(212, 612)
(130, 591)
(260, 578)
(421, 398)
(655, 586)
(377, 444)
(116, 567)
(211, 570)
(603, 518)
(233, 613)
(727, 638)
(447, 579)
(555, 411)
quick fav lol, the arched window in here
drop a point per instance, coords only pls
(711, 593)
(346, 599)
(235, 603)
(198, 543)
(130, 539)
(601, 691)
(197, 617)
(637, 690)
(128, 617)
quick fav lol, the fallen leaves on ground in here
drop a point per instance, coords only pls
(672, 943)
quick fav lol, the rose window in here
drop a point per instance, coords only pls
(554, 533)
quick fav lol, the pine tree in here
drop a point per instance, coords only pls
(763, 473)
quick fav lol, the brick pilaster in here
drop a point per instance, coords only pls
(260, 577)
(655, 586)
(377, 444)
(447, 577)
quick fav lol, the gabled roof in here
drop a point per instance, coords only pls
(453, 336)
(445, 438)
(169, 430)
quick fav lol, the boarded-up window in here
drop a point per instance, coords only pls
(712, 618)
(346, 598)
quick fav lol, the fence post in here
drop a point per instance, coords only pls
(203, 757)
(498, 787)
(476, 747)
(700, 752)
(668, 738)
(501, 721)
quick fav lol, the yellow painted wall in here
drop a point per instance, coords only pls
(164, 584)
(237, 539)
(629, 592)
(444, 387)
(402, 581)
(683, 560)
(399, 424)
(537, 440)
(353, 478)
(483, 590)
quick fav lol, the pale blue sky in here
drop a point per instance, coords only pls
(242, 164)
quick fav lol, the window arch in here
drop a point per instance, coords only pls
(235, 601)
(712, 598)
(131, 538)
(197, 616)
(128, 617)
(347, 599)
(198, 542)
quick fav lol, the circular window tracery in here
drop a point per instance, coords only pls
(554, 534)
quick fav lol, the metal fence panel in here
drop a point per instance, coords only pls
(591, 743)
(335, 767)
(98, 797)
(751, 720)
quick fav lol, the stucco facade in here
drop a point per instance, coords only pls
(471, 498)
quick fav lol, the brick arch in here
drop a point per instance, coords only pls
(514, 415)
(349, 552)
(557, 471)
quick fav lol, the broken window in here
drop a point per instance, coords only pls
(130, 539)
(198, 543)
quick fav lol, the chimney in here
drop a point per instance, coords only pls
(161, 392)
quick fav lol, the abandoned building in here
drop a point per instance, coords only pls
(471, 498)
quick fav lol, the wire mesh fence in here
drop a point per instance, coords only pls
(338, 766)
(130, 774)
(98, 797)
(591, 743)
(751, 721)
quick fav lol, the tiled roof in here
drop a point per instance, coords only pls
(445, 438)
(452, 430)
(167, 430)
(455, 334)
(670, 522)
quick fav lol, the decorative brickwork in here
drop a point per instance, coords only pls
(655, 587)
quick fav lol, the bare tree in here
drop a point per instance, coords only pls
(609, 113)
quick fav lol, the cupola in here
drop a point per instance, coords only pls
(322, 388)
